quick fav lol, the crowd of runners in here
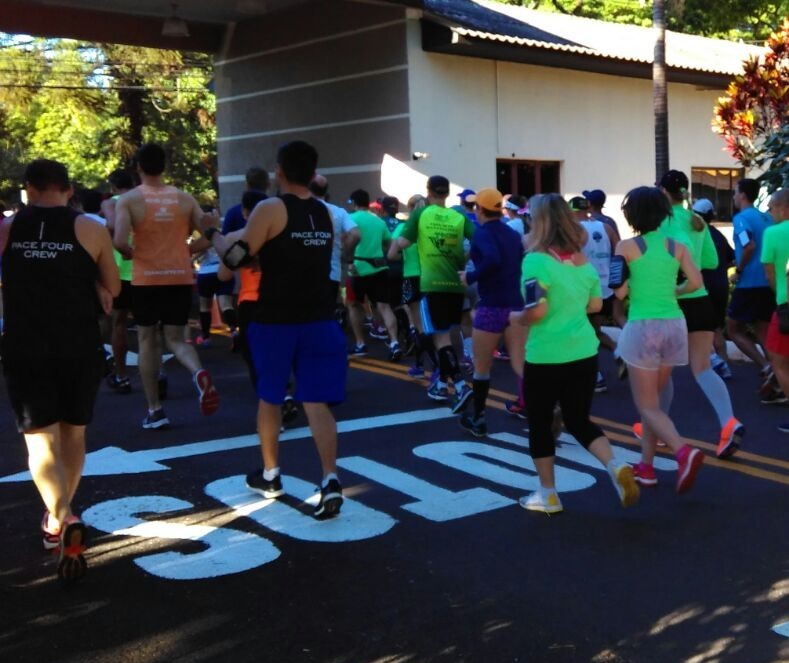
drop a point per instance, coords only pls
(302, 284)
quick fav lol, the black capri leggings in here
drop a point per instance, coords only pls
(572, 386)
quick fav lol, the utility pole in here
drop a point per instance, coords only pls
(659, 91)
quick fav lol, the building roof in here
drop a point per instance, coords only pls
(494, 23)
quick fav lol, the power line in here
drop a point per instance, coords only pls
(141, 88)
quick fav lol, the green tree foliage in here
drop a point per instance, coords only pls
(91, 105)
(749, 20)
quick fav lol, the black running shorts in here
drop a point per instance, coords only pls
(375, 287)
(45, 391)
(441, 311)
(699, 314)
(168, 304)
(123, 302)
(752, 304)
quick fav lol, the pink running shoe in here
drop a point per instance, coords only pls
(690, 461)
(208, 396)
(644, 474)
(50, 538)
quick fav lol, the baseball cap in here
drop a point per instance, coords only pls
(390, 205)
(465, 194)
(578, 204)
(703, 206)
(488, 199)
(596, 197)
(438, 184)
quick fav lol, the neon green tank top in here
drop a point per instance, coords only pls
(699, 242)
(653, 281)
(124, 266)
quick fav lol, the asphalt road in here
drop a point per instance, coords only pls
(431, 560)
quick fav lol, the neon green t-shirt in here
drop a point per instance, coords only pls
(679, 227)
(653, 281)
(565, 333)
(373, 232)
(410, 255)
(124, 266)
(439, 233)
(775, 251)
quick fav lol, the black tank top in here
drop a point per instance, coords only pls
(49, 287)
(295, 266)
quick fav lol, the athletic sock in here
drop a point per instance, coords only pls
(270, 475)
(205, 323)
(612, 466)
(666, 396)
(715, 390)
(327, 478)
(481, 386)
(230, 317)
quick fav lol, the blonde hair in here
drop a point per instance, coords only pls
(553, 225)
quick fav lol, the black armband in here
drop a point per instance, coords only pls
(619, 272)
(237, 255)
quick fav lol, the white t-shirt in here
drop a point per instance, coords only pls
(598, 252)
(343, 223)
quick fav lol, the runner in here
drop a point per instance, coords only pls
(55, 261)
(120, 181)
(775, 258)
(655, 338)
(209, 286)
(257, 180)
(717, 283)
(439, 233)
(601, 241)
(497, 253)
(752, 302)
(690, 229)
(371, 272)
(291, 236)
(561, 289)
(161, 218)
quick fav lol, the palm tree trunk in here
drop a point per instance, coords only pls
(659, 91)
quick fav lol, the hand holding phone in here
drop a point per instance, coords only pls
(619, 272)
(533, 292)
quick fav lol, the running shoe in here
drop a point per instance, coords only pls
(434, 376)
(461, 398)
(289, 410)
(621, 368)
(638, 431)
(515, 409)
(690, 461)
(477, 426)
(50, 538)
(644, 474)
(161, 385)
(783, 428)
(600, 386)
(731, 439)
(625, 485)
(376, 331)
(358, 350)
(119, 385)
(438, 392)
(542, 501)
(416, 372)
(269, 489)
(720, 366)
(71, 561)
(330, 502)
(395, 353)
(501, 355)
(207, 395)
(774, 397)
(155, 419)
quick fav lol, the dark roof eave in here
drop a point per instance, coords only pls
(437, 38)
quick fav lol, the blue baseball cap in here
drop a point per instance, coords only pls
(466, 193)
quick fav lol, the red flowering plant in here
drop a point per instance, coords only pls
(753, 115)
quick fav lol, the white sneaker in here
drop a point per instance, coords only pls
(625, 484)
(543, 501)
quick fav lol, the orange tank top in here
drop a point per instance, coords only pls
(161, 254)
(250, 284)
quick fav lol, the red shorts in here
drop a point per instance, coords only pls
(776, 341)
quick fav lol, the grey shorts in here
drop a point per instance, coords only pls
(651, 344)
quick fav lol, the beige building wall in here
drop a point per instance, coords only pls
(467, 112)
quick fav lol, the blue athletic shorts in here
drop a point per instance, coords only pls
(313, 351)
